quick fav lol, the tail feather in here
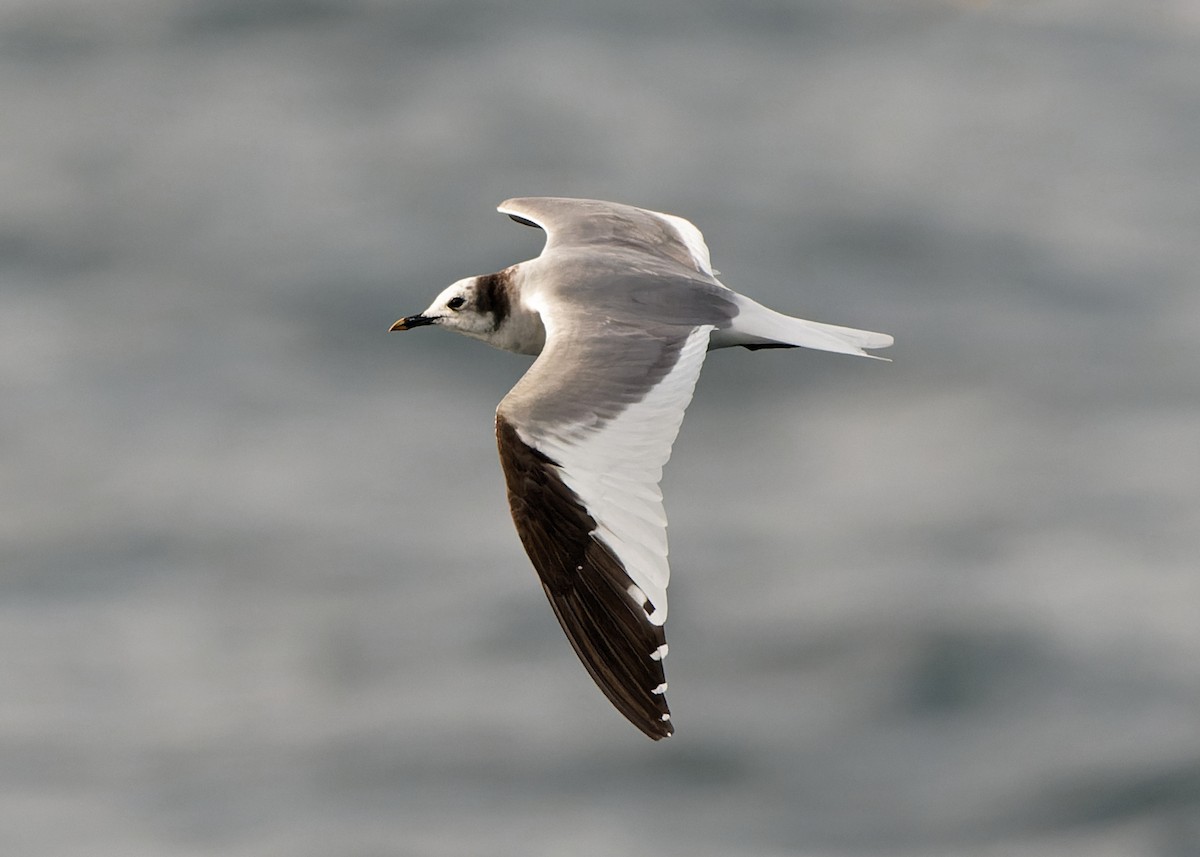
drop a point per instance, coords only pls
(755, 326)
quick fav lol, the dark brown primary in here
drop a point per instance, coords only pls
(587, 586)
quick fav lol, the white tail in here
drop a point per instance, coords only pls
(755, 326)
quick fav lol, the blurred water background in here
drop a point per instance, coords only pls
(260, 591)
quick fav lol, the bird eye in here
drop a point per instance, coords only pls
(455, 303)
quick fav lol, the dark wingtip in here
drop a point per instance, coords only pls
(659, 731)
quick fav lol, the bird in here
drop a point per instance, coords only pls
(620, 310)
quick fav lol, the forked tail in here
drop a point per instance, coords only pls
(755, 326)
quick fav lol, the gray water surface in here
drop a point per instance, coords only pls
(260, 591)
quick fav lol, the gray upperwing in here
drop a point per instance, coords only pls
(613, 228)
(586, 377)
(583, 437)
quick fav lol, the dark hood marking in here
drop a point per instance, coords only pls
(492, 295)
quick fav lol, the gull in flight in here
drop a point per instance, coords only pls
(620, 309)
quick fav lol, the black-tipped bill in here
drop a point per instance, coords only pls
(411, 322)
